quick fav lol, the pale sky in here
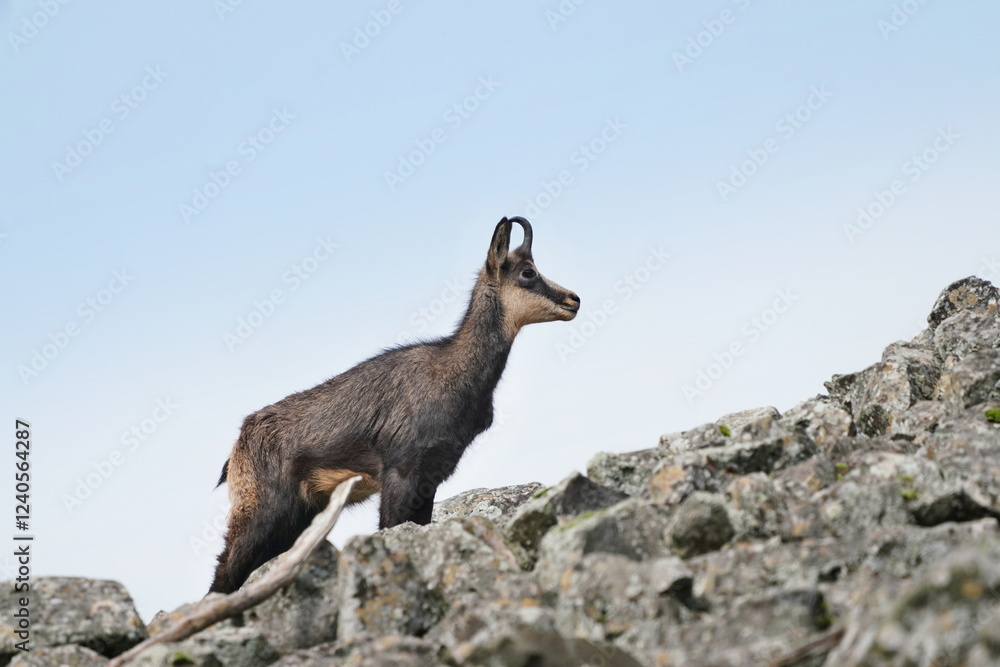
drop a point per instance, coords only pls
(207, 206)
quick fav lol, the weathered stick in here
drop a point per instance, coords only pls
(817, 647)
(286, 569)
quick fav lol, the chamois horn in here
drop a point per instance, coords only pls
(526, 244)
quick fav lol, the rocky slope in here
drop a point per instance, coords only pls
(858, 528)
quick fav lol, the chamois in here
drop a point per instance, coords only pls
(401, 419)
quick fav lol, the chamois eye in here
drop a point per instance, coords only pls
(528, 274)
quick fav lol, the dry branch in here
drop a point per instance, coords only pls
(816, 648)
(286, 569)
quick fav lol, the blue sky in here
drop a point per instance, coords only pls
(695, 171)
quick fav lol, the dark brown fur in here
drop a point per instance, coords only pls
(401, 419)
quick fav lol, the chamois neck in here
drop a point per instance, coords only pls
(481, 344)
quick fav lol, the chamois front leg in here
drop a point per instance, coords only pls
(405, 498)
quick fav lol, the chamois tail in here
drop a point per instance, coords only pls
(224, 475)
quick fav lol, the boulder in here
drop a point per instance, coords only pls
(214, 647)
(881, 393)
(628, 472)
(461, 557)
(735, 421)
(498, 505)
(380, 651)
(94, 613)
(971, 294)
(966, 332)
(382, 592)
(632, 528)
(572, 497)
(701, 524)
(519, 634)
(632, 604)
(973, 380)
(70, 655)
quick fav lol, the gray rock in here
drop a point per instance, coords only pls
(973, 380)
(840, 386)
(382, 592)
(919, 421)
(304, 613)
(300, 615)
(966, 332)
(460, 556)
(877, 489)
(496, 504)
(944, 618)
(820, 418)
(755, 630)
(757, 506)
(165, 619)
(972, 293)
(632, 604)
(762, 446)
(670, 483)
(214, 647)
(701, 524)
(707, 435)
(512, 634)
(628, 472)
(573, 496)
(70, 655)
(383, 651)
(886, 390)
(735, 421)
(843, 567)
(632, 528)
(952, 502)
(740, 458)
(94, 613)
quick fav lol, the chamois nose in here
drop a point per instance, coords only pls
(573, 297)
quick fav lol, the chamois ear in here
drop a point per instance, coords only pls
(498, 248)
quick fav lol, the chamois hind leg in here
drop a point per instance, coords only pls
(266, 518)
(255, 538)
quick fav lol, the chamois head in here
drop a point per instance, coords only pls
(525, 294)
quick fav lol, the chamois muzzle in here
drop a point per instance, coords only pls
(571, 303)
